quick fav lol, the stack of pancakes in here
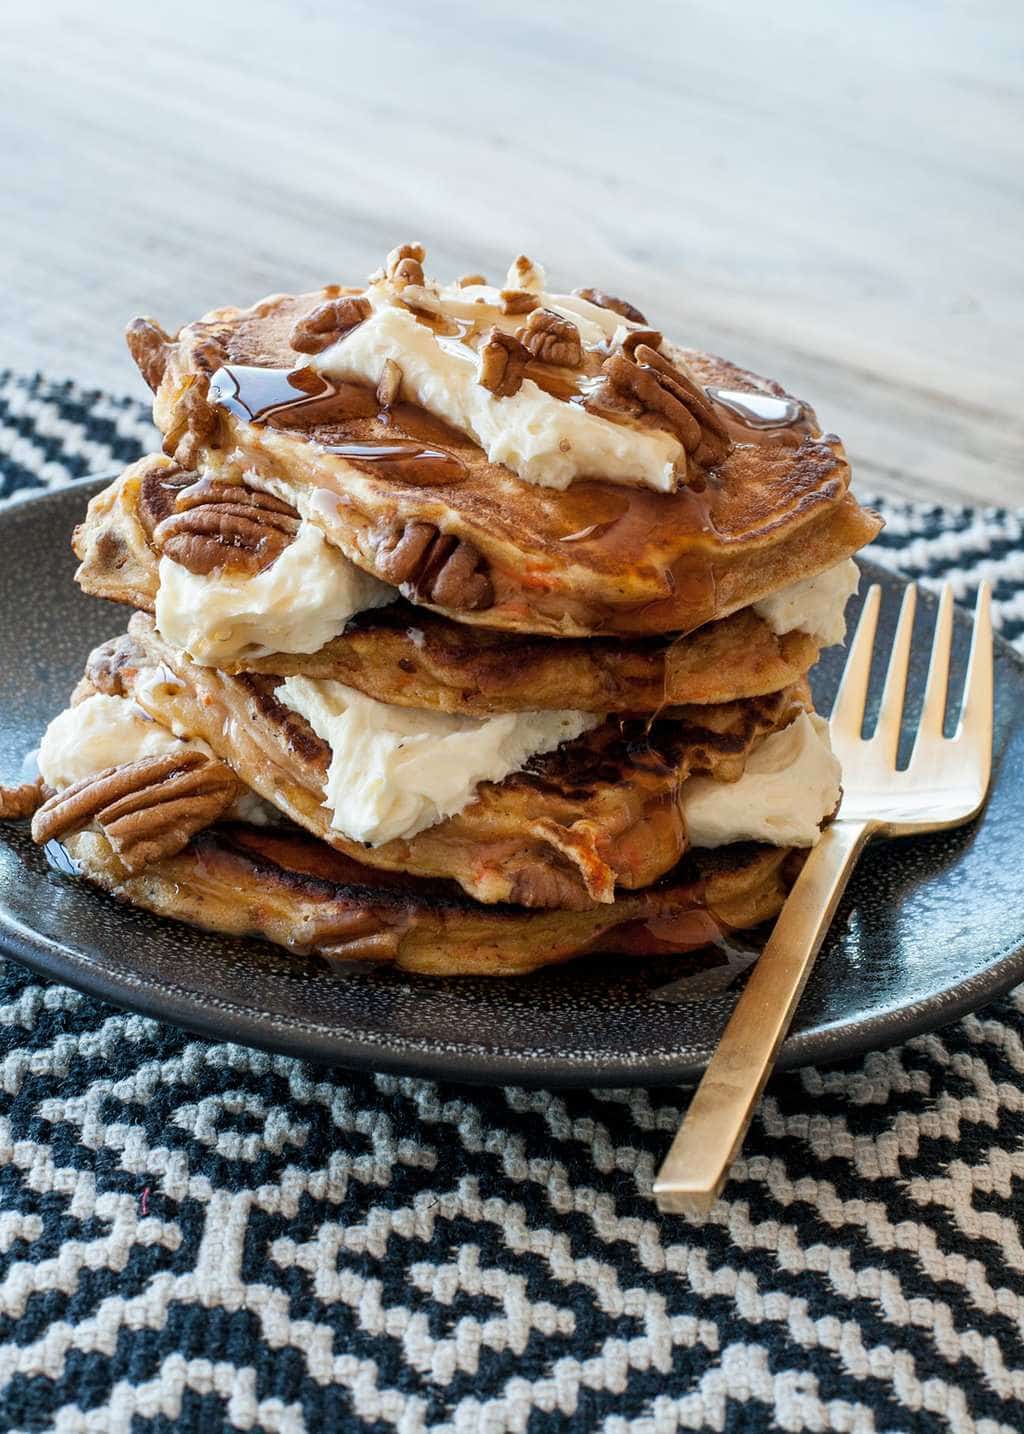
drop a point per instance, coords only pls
(471, 631)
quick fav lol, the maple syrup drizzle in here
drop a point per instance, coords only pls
(589, 533)
(261, 395)
(397, 452)
(757, 410)
(305, 398)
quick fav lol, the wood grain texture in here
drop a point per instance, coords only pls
(829, 194)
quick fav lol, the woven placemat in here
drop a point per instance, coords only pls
(205, 1237)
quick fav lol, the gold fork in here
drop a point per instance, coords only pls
(944, 786)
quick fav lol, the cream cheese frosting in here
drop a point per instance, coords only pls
(296, 604)
(104, 731)
(394, 772)
(97, 733)
(790, 783)
(814, 605)
(543, 439)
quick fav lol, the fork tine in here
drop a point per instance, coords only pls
(975, 725)
(890, 713)
(891, 707)
(848, 708)
(933, 710)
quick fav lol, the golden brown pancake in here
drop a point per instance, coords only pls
(598, 813)
(295, 891)
(414, 658)
(473, 540)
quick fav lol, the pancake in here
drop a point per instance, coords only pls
(599, 813)
(414, 501)
(292, 890)
(411, 657)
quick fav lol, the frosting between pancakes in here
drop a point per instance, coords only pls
(394, 772)
(104, 731)
(791, 782)
(814, 605)
(297, 604)
(98, 733)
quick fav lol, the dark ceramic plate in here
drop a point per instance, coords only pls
(929, 929)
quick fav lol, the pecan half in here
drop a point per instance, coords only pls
(503, 361)
(404, 265)
(438, 567)
(327, 323)
(20, 801)
(518, 301)
(147, 809)
(647, 385)
(225, 525)
(609, 301)
(714, 434)
(150, 347)
(552, 339)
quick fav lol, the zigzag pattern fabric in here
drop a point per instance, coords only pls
(202, 1237)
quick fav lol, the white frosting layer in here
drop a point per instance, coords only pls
(790, 783)
(106, 732)
(543, 439)
(100, 732)
(297, 604)
(394, 772)
(816, 605)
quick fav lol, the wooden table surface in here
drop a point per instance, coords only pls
(829, 194)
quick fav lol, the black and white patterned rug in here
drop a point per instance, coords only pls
(202, 1237)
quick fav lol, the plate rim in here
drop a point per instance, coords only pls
(288, 1036)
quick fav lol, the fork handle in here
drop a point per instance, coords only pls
(709, 1139)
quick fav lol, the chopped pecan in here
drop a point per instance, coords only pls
(110, 666)
(518, 301)
(523, 273)
(404, 265)
(210, 352)
(422, 299)
(20, 801)
(195, 424)
(225, 525)
(552, 339)
(409, 271)
(609, 301)
(503, 360)
(147, 809)
(465, 281)
(438, 567)
(653, 386)
(390, 384)
(635, 337)
(327, 323)
(150, 347)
